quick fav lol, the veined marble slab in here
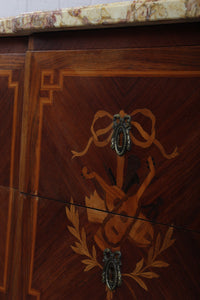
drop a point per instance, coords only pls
(104, 15)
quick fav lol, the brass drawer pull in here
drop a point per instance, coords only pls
(111, 275)
(121, 141)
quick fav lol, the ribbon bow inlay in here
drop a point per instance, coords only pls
(149, 138)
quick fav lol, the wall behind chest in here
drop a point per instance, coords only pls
(14, 8)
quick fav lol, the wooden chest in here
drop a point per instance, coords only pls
(67, 195)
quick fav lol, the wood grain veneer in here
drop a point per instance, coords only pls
(169, 35)
(14, 44)
(11, 92)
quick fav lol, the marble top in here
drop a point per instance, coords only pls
(128, 13)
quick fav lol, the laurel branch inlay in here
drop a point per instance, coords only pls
(81, 246)
(142, 268)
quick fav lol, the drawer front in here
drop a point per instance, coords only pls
(68, 126)
(67, 245)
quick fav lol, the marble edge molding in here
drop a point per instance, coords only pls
(127, 13)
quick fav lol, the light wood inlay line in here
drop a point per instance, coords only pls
(22, 176)
(50, 86)
(32, 291)
(109, 73)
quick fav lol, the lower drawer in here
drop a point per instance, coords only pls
(66, 262)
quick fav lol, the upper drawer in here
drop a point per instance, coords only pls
(68, 124)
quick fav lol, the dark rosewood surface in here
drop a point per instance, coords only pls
(11, 204)
(11, 93)
(14, 44)
(4, 237)
(117, 38)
